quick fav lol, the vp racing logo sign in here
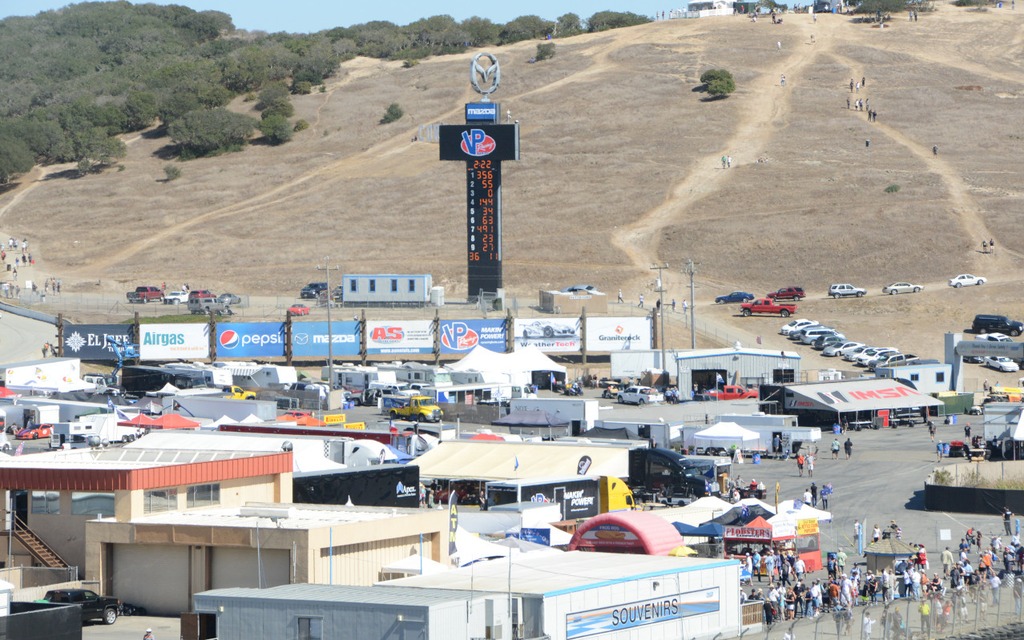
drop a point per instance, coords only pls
(458, 336)
(477, 143)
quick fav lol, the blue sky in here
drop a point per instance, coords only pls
(304, 16)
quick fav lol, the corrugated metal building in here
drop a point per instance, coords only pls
(702, 367)
(292, 612)
(558, 597)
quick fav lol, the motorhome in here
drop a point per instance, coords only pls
(97, 430)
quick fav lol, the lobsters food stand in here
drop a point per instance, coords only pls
(781, 533)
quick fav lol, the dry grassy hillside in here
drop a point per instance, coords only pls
(620, 168)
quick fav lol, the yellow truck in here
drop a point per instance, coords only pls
(238, 393)
(419, 408)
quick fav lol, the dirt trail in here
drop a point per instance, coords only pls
(765, 103)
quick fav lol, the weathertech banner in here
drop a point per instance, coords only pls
(618, 334)
(89, 341)
(410, 336)
(174, 341)
(548, 334)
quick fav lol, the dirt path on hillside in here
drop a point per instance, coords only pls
(765, 104)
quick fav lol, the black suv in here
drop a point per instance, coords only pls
(312, 290)
(987, 323)
(94, 606)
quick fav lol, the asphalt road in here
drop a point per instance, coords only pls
(22, 339)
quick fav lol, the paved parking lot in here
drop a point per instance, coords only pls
(133, 628)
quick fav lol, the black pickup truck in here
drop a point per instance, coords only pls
(94, 606)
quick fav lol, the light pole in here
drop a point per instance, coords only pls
(327, 269)
(691, 270)
(661, 312)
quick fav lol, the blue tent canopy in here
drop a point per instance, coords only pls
(709, 529)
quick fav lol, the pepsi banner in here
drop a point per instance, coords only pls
(412, 336)
(471, 142)
(89, 341)
(310, 339)
(461, 336)
(250, 340)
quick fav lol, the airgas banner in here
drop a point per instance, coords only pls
(618, 334)
(411, 336)
(250, 340)
(174, 341)
(89, 341)
(461, 336)
(310, 339)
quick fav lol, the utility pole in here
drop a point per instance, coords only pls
(327, 268)
(661, 312)
(691, 269)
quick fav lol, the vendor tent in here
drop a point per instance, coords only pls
(527, 359)
(709, 530)
(175, 421)
(727, 434)
(798, 510)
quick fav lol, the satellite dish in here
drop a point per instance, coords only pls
(286, 445)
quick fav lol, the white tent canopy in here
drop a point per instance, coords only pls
(523, 360)
(415, 565)
(798, 510)
(728, 433)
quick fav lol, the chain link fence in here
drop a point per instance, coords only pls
(975, 612)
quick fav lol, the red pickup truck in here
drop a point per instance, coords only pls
(145, 294)
(732, 392)
(768, 307)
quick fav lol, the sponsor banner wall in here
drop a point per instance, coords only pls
(89, 341)
(310, 339)
(174, 341)
(412, 336)
(552, 335)
(618, 334)
(461, 336)
(250, 340)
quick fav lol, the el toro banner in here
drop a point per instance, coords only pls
(174, 341)
(89, 341)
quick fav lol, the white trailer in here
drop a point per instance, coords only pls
(51, 374)
(17, 416)
(358, 378)
(97, 430)
(250, 375)
(214, 408)
(664, 434)
(583, 414)
(213, 376)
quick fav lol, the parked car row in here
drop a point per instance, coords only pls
(832, 343)
(846, 290)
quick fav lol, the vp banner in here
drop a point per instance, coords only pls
(461, 336)
(89, 341)
(309, 339)
(618, 334)
(174, 341)
(250, 340)
(413, 336)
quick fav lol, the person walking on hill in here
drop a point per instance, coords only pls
(641, 305)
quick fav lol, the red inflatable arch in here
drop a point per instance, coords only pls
(638, 532)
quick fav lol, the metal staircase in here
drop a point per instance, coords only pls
(36, 547)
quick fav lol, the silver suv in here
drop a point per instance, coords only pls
(845, 291)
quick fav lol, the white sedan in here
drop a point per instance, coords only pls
(796, 325)
(901, 287)
(840, 349)
(995, 337)
(965, 279)
(999, 363)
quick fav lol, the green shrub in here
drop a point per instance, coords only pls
(300, 125)
(276, 129)
(721, 85)
(393, 113)
(303, 88)
(409, 63)
(892, 188)
(172, 172)
(545, 51)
